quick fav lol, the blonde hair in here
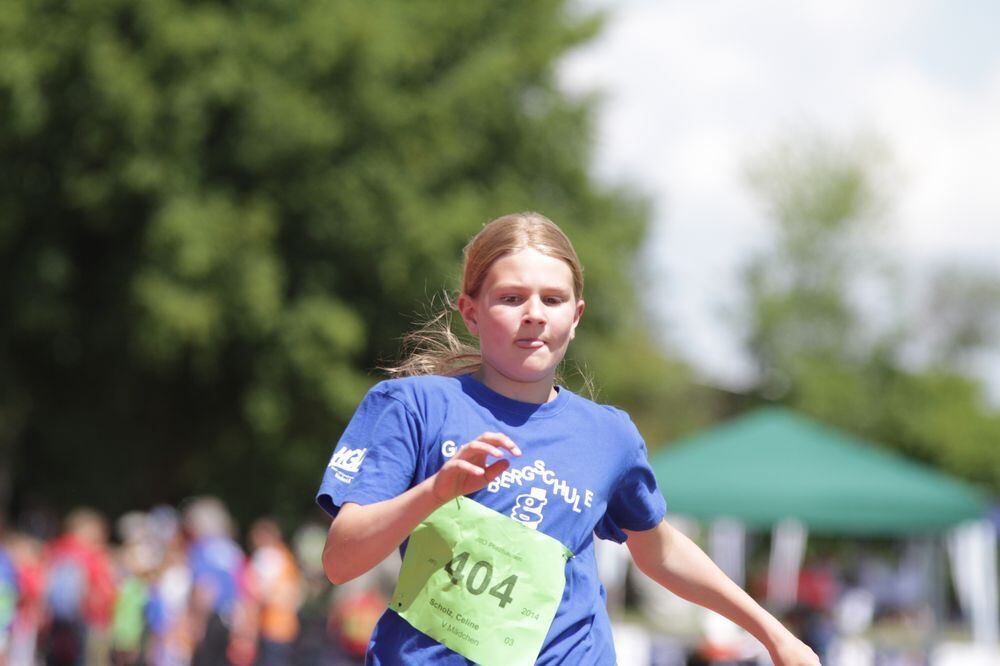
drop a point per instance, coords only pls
(435, 348)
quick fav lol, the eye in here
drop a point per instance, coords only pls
(554, 300)
(510, 299)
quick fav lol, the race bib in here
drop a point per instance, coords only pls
(481, 583)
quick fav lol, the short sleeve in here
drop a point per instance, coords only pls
(376, 456)
(636, 502)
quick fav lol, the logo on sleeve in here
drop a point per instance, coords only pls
(348, 460)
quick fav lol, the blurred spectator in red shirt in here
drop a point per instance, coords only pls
(26, 554)
(79, 591)
(819, 587)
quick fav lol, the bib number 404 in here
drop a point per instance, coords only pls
(479, 578)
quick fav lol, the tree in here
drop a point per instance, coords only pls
(217, 218)
(822, 351)
(824, 202)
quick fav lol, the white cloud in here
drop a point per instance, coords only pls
(695, 89)
(948, 141)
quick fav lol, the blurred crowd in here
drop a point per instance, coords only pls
(174, 587)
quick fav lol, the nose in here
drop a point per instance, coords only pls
(534, 312)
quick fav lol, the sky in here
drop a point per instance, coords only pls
(692, 90)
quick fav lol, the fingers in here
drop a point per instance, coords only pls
(478, 447)
(470, 468)
(485, 476)
(495, 470)
(500, 440)
(494, 444)
(467, 471)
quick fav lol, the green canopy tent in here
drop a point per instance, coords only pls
(773, 464)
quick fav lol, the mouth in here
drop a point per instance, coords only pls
(529, 343)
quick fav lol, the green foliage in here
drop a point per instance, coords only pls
(216, 217)
(823, 200)
(820, 351)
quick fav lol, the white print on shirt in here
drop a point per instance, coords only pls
(528, 509)
(537, 470)
(449, 448)
(348, 460)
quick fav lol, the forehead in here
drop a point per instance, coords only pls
(529, 267)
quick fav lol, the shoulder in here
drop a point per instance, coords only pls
(605, 417)
(415, 387)
(418, 395)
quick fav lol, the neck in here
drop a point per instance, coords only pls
(537, 393)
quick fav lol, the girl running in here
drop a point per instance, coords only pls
(493, 481)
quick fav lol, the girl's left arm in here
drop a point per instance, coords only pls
(671, 559)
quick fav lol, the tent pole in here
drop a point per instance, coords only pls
(938, 591)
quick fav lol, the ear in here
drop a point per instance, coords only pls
(576, 318)
(467, 308)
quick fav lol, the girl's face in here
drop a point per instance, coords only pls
(524, 316)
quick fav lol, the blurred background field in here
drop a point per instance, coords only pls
(217, 219)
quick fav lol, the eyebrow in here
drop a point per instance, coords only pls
(519, 286)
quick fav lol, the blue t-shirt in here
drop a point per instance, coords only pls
(583, 471)
(216, 564)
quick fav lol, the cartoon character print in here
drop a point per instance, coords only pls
(528, 508)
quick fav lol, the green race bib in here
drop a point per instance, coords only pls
(481, 583)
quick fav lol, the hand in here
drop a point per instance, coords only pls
(467, 471)
(793, 652)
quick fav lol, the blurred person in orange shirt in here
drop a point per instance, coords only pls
(277, 584)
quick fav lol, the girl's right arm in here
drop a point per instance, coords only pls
(671, 559)
(362, 535)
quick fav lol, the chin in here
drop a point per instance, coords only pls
(523, 375)
(533, 376)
